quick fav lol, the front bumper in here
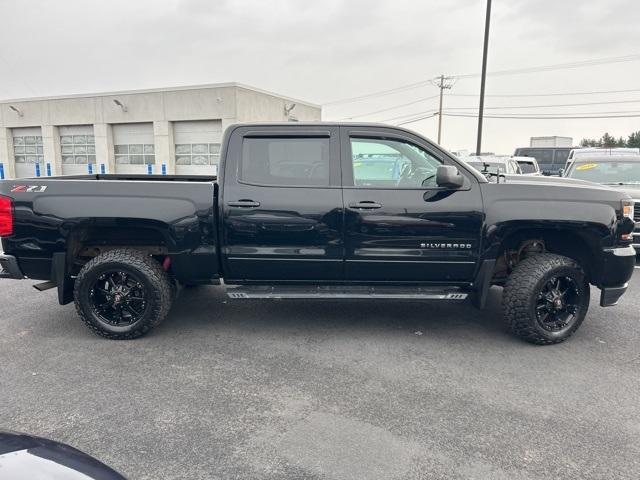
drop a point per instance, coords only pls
(619, 263)
(10, 268)
(609, 296)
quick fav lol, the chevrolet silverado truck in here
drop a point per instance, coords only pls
(321, 211)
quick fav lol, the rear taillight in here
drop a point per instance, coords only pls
(6, 217)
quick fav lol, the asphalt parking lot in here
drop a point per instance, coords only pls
(334, 390)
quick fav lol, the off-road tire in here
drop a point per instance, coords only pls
(521, 292)
(160, 292)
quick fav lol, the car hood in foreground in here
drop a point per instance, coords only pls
(632, 190)
(548, 180)
(25, 457)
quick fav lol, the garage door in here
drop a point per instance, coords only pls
(27, 151)
(77, 149)
(133, 147)
(197, 147)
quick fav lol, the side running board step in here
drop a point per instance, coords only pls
(348, 292)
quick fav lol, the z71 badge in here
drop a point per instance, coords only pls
(28, 188)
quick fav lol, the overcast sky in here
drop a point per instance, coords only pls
(326, 50)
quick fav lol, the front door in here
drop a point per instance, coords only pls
(399, 225)
(282, 210)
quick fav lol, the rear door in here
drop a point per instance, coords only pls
(399, 226)
(282, 205)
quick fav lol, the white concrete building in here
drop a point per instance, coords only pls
(168, 130)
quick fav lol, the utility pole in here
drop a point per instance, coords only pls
(484, 77)
(443, 83)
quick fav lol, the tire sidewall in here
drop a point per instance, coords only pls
(88, 280)
(584, 292)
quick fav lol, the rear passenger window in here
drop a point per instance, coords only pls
(298, 162)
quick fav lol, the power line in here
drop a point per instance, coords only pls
(379, 93)
(473, 112)
(508, 107)
(555, 94)
(630, 115)
(515, 107)
(503, 107)
(408, 115)
(435, 114)
(518, 116)
(392, 108)
(558, 66)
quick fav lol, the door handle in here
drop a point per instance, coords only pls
(365, 205)
(244, 203)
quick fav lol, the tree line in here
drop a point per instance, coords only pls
(607, 140)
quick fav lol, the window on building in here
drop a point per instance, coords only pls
(135, 154)
(197, 153)
(285, 161)
(28, 149)
(78, 149)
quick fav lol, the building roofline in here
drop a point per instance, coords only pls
(160, 90)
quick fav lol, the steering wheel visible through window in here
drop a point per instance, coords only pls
(384, 163)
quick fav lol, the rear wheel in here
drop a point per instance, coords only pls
(122, 294)
(545, 299)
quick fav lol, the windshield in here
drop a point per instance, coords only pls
(614, 173)
(527, 167)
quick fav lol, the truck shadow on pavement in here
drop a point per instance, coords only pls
(207, 308)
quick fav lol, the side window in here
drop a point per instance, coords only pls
(385, 163)
(298, 162)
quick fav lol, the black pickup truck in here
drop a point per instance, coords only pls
(315, 211)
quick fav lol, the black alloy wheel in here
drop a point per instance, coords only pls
(546, 298)
(123, 294)
(118, 298)
(558, 303)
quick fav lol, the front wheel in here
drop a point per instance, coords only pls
(545, 299)
(122, 294)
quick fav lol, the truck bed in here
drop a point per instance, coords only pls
(171, 214)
